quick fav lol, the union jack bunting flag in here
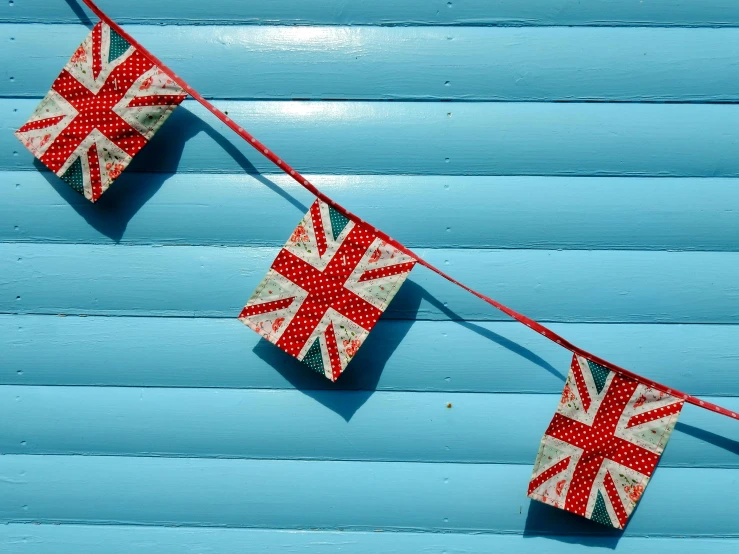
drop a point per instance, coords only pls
(603, 445)
(326, 289)
(106, 104)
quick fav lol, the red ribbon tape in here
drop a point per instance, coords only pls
(279, 162)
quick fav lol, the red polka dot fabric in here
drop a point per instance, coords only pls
(603, 444)
(326, 290)
(106, 104)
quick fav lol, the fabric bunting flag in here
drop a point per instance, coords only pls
(326, 290)
(603, 445)
(104, 106)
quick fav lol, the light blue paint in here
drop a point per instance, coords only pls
(515, 212)
(404, 355)
(85, 539)
(611, 286)
(431, 63)
(393, 12)
(480, 138)
(267, 424)
(363, 496)
(616, 221)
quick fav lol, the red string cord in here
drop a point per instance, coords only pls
(279, 162)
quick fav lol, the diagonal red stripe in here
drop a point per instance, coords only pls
(315, 214)
(157, 100)
(41, 123)
(380, 272)
(264, 307)
(333, 352)
(655, 414)
(550, 472)
(97, 50)
(582, 387)
(96, 184)
(615, 499)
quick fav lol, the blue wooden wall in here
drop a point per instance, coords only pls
(576, 160)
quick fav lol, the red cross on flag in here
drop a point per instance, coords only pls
(326, 290)
(603, 445)
(106, 104)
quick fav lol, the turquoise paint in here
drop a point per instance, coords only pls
(480, 138)
(409, 63)
(516, 212)
(604, 286)
(158, 423)
(392, 12)
(502, 357)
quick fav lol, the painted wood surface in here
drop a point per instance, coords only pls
(516, 212)
(200, 281)
(576, 160)
(267, 424)
(500, 357)
(363, 496)
(437, 138)
(118, 539)
(690, 13)
(418, 63)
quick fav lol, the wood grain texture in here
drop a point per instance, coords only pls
(265, 424)
(498, 357)
(448, 211)
(18, 538)
(413, 63)
(488, 498)
(436, 138)
(187, 281)
(392, 12)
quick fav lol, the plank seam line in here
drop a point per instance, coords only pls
(143, 246)
(9, 315)
(247, 459)
(381, 391)
(318, 175)
(314, 461)
(420, 100)
(418, 246)
(344, 529)
(607, 175)
(368, 531)
(268, 22)
(467, 319)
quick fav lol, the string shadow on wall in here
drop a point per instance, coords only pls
(81, 14)
(148, 171)
(361, 378)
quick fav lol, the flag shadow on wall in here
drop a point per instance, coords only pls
(148, 171)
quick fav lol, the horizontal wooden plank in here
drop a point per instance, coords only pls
(448, 211)
(321, 425)
(399, 356)
(330, 495)
(199, 281)
(392, 12)
(428, 63)
(436, 138)
(19, 538)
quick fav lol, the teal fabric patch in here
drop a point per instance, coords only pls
(600, 513)
(74, 176)
(118, 45)
(600, 374)
(313, 358)
(338, 222)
